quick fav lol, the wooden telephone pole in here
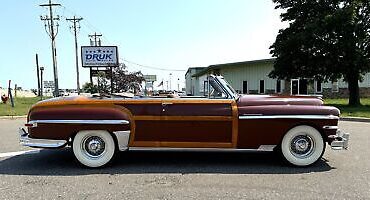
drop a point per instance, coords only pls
(94, 41)
(75, 26)
(52, 32)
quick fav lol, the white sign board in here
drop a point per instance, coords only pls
(49, 84)
(99, 56)
(150, 78)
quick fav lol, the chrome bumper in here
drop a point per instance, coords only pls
(340, 140)
(39, 143)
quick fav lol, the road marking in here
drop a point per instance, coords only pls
(17, 153)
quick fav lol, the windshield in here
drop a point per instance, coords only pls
(228, 87)
(215, 90)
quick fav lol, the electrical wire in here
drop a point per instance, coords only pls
(95, 29)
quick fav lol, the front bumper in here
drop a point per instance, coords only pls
(340, 140)
(25, 140)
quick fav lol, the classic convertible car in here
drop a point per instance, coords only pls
(96, 127)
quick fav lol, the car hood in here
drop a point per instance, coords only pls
(259, 100)
(283, 105)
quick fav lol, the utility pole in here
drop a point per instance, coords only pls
(76, 26)
(96, 37)
(42, 89)
(52, 32)
(38, 75)
(94, 42)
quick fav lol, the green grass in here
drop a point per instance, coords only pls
(21, 106)
(350, 111)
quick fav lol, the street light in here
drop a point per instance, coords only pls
(170, 81)
(178, 84)
(42, 88)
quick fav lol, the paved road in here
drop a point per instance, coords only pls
(54, 174)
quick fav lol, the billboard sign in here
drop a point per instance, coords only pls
(99, 56)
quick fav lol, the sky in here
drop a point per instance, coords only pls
(165, 34)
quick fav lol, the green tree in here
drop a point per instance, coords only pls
(125, 81)
(103, 83)
(325, 40)
(90, 88)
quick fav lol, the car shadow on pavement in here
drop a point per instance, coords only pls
(62, 163)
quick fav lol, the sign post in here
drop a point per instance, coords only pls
(149, 82)
(10, 94)
(103, 58)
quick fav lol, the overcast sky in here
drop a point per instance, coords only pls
(169, 34)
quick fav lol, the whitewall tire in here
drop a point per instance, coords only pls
(302, 145)
(93, 148)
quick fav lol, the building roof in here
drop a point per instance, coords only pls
(219, 66)
(197, 69)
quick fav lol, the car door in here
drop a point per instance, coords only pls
(187, 122)
(202, 123)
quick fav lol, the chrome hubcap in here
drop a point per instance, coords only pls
(302, 146)
(94, 146)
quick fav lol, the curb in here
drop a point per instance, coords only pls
(13, 117)
(355, 119)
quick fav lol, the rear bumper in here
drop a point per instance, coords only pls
(340, 140)
(25, 140)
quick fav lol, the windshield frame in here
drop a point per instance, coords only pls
(231, 93)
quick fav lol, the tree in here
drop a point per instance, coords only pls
(326, 40)
(125, 81)
(90, 88)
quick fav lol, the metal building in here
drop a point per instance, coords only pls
(251, 77)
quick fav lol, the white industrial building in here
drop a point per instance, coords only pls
(251, 77)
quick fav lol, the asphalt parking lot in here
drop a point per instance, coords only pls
(54, 174)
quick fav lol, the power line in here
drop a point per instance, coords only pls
(96, 40)
(155, 68)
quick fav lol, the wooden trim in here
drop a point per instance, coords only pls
(235, 119)
(184, 118)
(132, 123)
(181, 144)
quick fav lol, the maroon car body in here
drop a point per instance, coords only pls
(298, 127)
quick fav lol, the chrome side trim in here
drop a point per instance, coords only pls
(39, 143)
(62, 121)
(31, 124)
(266, 148)
(289, 117)
(261, 148)
(123, 137)
(330, 127)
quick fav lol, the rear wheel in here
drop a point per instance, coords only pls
(93, 148)
(302, 146)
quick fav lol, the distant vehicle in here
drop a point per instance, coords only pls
(96, 127)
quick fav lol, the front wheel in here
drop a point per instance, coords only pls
(93, 148)
(302, 146)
